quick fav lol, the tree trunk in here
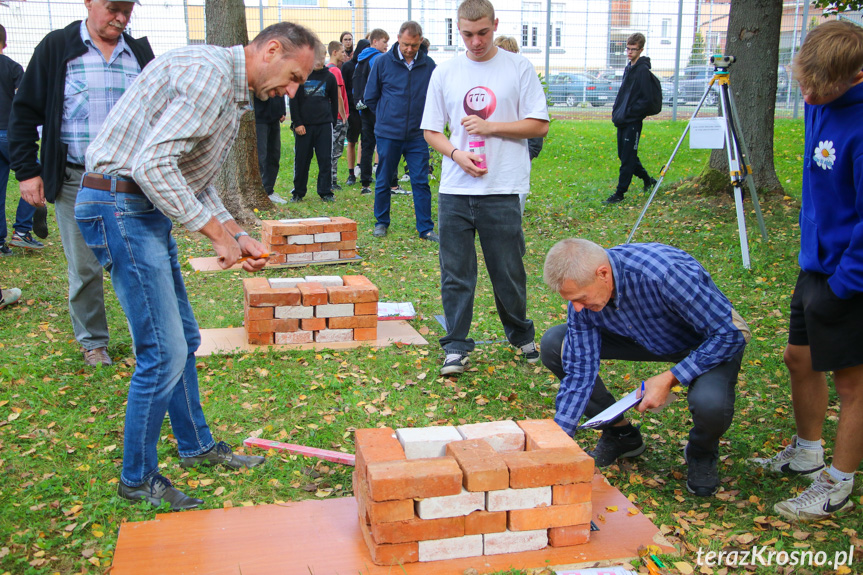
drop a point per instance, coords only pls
(239, 181)
(753, 39)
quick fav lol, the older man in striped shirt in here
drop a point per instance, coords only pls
(154, 161)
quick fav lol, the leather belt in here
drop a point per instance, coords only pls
(108, 183)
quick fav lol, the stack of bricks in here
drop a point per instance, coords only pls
(323, 309)
(435, 493)
(310, 240)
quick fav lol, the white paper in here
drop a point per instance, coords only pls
(707, 133)
(396, 309)
(619, 408)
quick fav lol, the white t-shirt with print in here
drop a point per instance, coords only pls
(508, 86)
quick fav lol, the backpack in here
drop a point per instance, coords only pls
(361, 76)
(654, 96)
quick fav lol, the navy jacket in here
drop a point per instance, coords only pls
(632, 99)
(397, 96)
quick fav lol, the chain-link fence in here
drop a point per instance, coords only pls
(577, 45)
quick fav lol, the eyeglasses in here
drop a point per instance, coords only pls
(628, 49)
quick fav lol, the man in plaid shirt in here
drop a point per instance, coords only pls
(154, 161)
(644, 302)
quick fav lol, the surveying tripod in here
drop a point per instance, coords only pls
(739, 167)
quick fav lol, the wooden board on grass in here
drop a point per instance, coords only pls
(212, 264)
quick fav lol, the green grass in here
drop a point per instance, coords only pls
(61, 425)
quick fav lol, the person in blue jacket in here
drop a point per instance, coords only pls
(396, 95)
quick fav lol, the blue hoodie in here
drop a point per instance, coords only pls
(365, 61)
(831, 217)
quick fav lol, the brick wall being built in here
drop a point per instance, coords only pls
(310, 240)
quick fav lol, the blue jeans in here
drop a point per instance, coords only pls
(497, 220)
(416, 153)
(24, 214)
(132, 240)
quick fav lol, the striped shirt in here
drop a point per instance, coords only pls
(92, 88)
(666, 302)
(172, 131)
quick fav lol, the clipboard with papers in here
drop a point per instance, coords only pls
(611, 413)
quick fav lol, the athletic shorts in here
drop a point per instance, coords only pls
(355, 126)
(832, 327)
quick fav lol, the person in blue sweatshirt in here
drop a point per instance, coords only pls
(379, 40)
(826, 320)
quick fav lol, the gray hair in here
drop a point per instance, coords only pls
(291, 36)
(412, 28)
(573, 259)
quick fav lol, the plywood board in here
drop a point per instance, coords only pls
(323, 537)
(212, 264)
(232, 339)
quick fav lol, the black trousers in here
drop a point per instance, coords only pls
(711, 395)
(269, 152)
(627, 150)
(368, 143)
(317, 140)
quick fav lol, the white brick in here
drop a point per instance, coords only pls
(326, 281)
(285, 282)
(335, 310)
(305, 220)
(420, 442)
(293, 337)
(464, 503)
(301, 239)
(333, 335)
(328, 237)
(453, 548)
(503, 436)
(514, 541)
(298, 258)
(294, 311)
(325, 256)
(508, 499)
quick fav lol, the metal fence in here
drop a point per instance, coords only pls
(577, 45)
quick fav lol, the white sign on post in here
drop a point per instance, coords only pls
(707, 133)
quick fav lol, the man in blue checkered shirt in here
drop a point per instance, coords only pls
(644, 302)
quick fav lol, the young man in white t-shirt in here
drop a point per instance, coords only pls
(491, 97)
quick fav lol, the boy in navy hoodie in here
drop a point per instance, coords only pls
(826, 320)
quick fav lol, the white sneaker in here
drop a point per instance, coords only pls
(405, 178)
(277, 199)
(10, 296)
(824, 498)
(530, 353)
(454, 363)
(793, 460)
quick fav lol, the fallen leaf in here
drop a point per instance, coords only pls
(611, 508)
(684, 567)
(219, 490)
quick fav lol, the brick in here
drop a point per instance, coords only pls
(326, 281)
(552, 466)
(334, 310)
(357, 280)
(336, 246)
(340, 224)
(272, 240)
(294, 337)
(397, 554)
(411, 478)
(454, 548)
(325, 256)
(349, 236)
(347, 254)
(459, 505)
(277, 258)
(482, 468)
(255, 285)
(544, 434)
(351, 322)
(298, 258)
(283, 228)
(325, 237)
(380, 511)
(259, 312)
(366, 308)
(514, 541)
(508, 499)
(569, 535)
(572, 493)
(313, 323)
(285, 282)
(273, 297)
(313, 293)
(366, 334)
(286, 249)
(417, 529)
(485, 522)
(546, 517)
(311, 248)
(272, 325)
(421, 442)
(294, 312)
(503, 436)
(260, 338)
(307, 221)
(375, 445)
(301, 239)
(334, 335)
(353, 294)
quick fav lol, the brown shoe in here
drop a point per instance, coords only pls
(98, 356)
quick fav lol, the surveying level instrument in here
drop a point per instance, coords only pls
(739, 168)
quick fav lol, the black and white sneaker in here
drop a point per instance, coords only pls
(454, 364)
(5, 250)
(530, 353)
(793, 460)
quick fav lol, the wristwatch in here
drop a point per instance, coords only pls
(240, 234)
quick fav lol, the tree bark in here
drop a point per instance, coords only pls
(753, 39)
(239, 181)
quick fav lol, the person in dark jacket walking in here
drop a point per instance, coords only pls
(628, 113)
(75, 76)
(365, 61)
(268, 118)
(396, 94)
(355, 125)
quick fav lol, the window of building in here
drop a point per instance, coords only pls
(448, 31)
(534, 36)
(666, 24)
(298, 2)
(525, 30)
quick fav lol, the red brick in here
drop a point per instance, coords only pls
(417, 530)
(353, 294)
(287, 249)
(258, 295)
(543, 434)
(347, 236)
(259, 313)
(432, 477)
(353, 321)
(572, 493)
(380, 511)
(485, 522)
(293, 337)
(357, 281)
(340, 224)
(277, 228)
(260, 338)
(277, 259)
(552, 466)
(272, 325)
(569, 535)
(344, 245)
(347, 254)
(313, 293)
(366, 334)
(313, 323)
(397, 554)
(482, 467)
(545, 517)
(255, 285)
(366, 308)
(376, 444)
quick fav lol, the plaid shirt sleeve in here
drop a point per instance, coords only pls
(580, 359)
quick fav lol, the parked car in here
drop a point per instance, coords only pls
(615, 78)
(571, 89)
(695, 79)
